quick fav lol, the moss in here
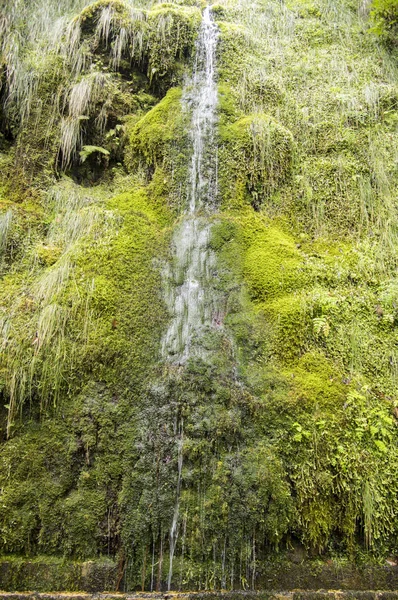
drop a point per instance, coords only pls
(331, 181)
(233, 58)
(159, 141)
(318, 382)
(261, 152)
(91, 11)
(306, 261)
(126, 288)
(51, 574)
(28, 492)
(119, 348)
(48, 255)
(166, 32)
(384, 15)
(153, 136)
(173, 31)
(227, 105)
(36, 146)
(272, 266)
(305, 8)
(291, 325)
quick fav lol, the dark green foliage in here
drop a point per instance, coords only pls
(384, 14)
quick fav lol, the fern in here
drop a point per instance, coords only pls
(89, 150)
(321, 326)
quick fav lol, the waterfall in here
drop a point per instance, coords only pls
(188, 281)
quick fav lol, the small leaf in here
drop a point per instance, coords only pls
(373, 430)
(381, 446)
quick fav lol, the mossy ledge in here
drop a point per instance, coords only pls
(283, 576)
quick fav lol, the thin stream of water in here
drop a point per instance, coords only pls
(189, 296)
(174, 525)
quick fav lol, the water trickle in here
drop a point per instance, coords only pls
(174, 525)
(190, 297)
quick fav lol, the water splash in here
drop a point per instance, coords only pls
(188, 281)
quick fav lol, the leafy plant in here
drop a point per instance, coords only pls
(321, 326)
(384, 14)
(89, 150)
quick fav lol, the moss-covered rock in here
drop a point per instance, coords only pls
(153, 137)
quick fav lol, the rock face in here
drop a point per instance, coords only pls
(198, 298)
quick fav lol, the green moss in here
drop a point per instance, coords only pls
(333, 180)
(305, 8)
(167, 33)
(272, 266)
(233, 58)
(116, 338)
(153, 136)
(259, 152)
(91, 11)
(384, 14)
(48, 255)
(37, 141)
(28, 491)
(227, 105)
(159, 142)
(53, 574)
(126, 289)
(291, 325)
(317, 382)
(306, 266)
(173, 31)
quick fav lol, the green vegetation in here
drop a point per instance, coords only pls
(385, 16)
(322, 356)
(288, 434)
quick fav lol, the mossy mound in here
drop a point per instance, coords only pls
(153, 137)
(273, 265)
(157, 41)
(291, 324)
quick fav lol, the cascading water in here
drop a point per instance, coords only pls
(189, 294)
(191, 299)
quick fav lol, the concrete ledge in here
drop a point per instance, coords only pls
(49, 574)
